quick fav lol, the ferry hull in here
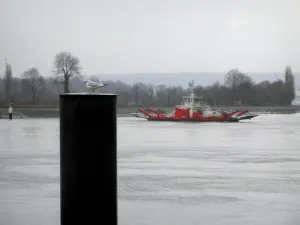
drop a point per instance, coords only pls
(190, 120)
(193, 120)
(229, 120)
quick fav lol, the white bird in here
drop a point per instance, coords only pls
(94, 85)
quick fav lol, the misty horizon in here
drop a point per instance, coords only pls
(182, 78)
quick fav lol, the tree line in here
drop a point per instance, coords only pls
(31, 88)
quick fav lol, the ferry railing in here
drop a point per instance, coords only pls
(88, 159)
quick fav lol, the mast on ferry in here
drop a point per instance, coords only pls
(191, 84)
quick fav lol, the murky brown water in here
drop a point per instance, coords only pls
(169, 173)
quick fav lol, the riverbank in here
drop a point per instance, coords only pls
(125, 111)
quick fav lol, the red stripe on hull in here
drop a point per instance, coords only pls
(192, 120)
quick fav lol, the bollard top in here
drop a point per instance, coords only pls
(86, 93)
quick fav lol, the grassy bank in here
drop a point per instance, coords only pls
(123, 111)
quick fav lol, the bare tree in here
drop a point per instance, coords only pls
(234, 79)
(35, 81)
(65, 67)
(1, 88)
(215, 92)
(7, 82)
(289, 84)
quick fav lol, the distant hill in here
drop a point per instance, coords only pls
(183, 78)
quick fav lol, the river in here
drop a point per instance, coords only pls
(169, 173)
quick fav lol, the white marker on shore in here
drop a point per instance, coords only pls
(10, 111)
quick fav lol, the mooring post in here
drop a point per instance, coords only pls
(88, 159)
(10, 111)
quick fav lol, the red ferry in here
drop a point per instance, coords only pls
(193, 109)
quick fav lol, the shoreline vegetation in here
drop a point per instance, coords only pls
(124, 111)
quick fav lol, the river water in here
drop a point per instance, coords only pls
(169, 173)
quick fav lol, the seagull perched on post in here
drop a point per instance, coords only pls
(94, 85)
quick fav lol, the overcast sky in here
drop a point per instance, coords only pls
(131, 36)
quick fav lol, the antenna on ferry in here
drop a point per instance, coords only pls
(191, 84)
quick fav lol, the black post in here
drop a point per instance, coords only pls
(88, 159)
(10, 109)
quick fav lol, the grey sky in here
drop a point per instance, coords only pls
(131, 36)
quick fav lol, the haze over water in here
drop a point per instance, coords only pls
(169, 173)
